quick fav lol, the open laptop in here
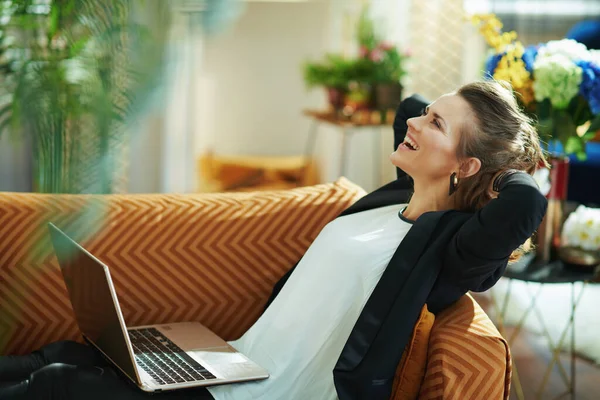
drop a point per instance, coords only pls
(154, 357)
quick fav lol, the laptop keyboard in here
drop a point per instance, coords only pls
(163, 360)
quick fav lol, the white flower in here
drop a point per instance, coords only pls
(595, 56)
(582, 228)
(542, 178)
(569, 48)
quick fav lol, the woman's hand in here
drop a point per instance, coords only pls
(494, 185)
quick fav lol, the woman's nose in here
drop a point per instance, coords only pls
(412, 123)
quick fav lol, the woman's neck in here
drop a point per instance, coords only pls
(430, 197)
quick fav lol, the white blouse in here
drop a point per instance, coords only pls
(301, 335)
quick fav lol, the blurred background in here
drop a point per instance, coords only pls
(216, 84)
(191, 96)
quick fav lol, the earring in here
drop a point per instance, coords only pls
(453, 184)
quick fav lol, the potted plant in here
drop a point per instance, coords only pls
(333, 74)
(386, 63)
(72, 74)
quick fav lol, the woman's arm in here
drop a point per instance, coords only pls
(408, 108)
(477, 255)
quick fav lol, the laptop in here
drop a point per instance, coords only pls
(155, 357)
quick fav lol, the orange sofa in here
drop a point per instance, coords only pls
(214, 258)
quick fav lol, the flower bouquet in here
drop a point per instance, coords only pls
(558, 82)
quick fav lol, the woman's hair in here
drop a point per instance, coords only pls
(501, 136)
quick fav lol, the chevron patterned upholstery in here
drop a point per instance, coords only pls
(468, 359)
(212, 258)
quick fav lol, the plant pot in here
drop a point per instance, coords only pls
(387, 95)
(359, 97)
(548, 233)
(335, 97)
(579, 259)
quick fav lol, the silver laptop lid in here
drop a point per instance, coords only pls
(94, 301)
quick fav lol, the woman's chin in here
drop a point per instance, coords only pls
(400, 160)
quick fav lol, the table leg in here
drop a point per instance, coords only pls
(345, 148)
(573, 308)
(556, 349)
(376, 160)
(312, 137)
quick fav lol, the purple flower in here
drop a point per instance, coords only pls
(491, 64)
(590, 84)
(529, 57)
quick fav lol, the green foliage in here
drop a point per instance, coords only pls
(365, 30)
(334, 72)
(561, 125)
(73, 74)
(378, 62)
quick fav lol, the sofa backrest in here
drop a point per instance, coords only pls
(212, 258)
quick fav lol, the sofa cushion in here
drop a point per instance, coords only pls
(411, 370)
(468, 358)
(212, 257)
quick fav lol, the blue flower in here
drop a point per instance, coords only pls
(529, 57)
(491, 64)
(590, 84)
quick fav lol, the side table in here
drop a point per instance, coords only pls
(528, 270)
(366, 119)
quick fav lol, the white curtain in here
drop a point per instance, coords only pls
(178, 172)
(187, 117)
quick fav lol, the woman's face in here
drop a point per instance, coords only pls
(428, 153)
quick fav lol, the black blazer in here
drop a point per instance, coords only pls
(443, 256)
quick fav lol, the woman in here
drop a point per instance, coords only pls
(350, 304)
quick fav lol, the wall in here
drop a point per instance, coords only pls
(256, 80)
(255, 70)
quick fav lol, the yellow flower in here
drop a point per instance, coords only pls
(511, 67)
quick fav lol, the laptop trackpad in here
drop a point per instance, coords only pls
(191, 336)
(219, 356)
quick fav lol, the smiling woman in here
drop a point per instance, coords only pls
(336, 325)
(460, 143)
(429, 151)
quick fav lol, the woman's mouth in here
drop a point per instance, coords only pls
(409, 144)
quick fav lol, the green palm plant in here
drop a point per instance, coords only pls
(74, 73)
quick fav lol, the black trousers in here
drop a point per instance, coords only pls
(70, 370)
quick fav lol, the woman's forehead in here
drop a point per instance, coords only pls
(452, 108)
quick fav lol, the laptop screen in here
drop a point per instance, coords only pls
(95, 305)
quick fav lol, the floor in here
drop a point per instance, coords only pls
(531, 357)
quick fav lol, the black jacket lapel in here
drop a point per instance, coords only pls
(388, 317)
(392, 282)
(395, 192)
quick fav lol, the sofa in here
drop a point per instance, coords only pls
(214, 258)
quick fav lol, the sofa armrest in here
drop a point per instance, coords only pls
(468, 358)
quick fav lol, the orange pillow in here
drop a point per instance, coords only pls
(411, 370)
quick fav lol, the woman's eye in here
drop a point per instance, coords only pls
(436, 123)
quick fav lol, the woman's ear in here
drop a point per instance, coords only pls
(470, 167)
